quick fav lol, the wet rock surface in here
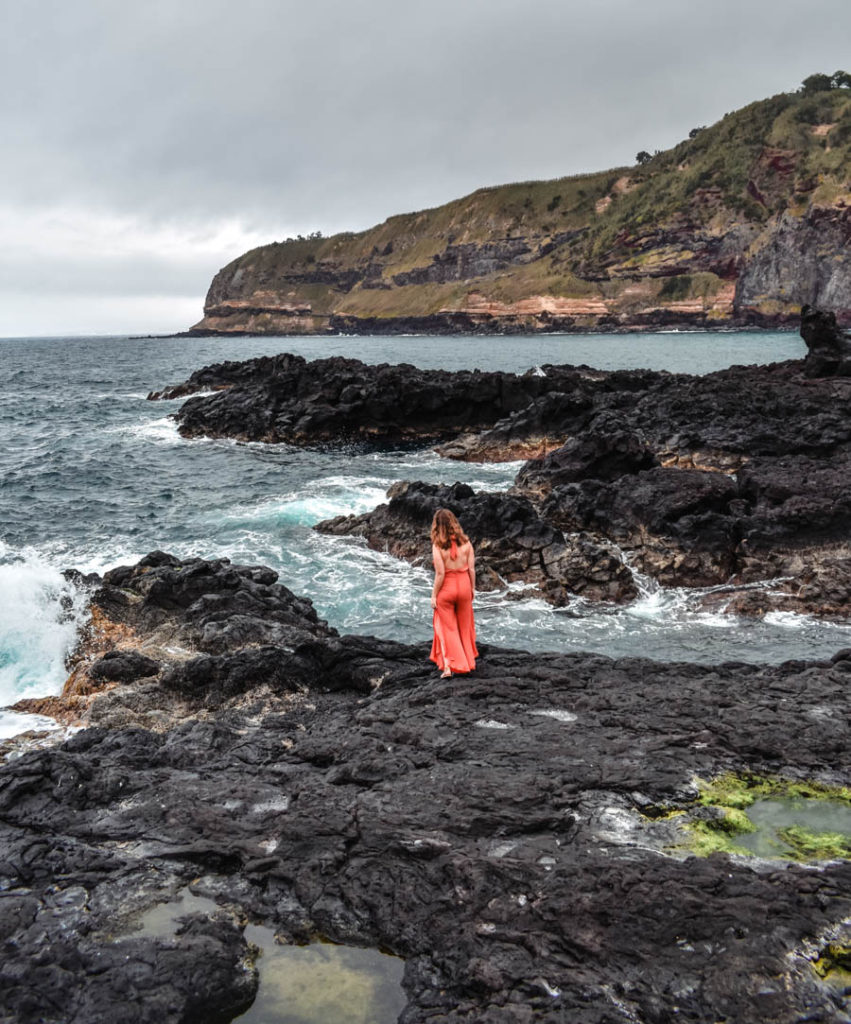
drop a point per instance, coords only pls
(488, 828)
(512, 542)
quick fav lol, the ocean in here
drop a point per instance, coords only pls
(92, 476)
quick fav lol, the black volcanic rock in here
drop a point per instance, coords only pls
(285, 398)
(829, 347)
(716, 419)
(711, 421)
(589, 456)
(676, 523)
(490, 829)
(512, 542)
(123, 667)
(209, 606)
(796, 502)
(786, 517)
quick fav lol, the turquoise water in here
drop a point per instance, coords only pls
(93, 476)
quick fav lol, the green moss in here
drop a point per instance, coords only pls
(731, 795)
(705, 839)
(741, 791)
(816, 845)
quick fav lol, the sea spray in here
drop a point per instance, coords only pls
(40, 615)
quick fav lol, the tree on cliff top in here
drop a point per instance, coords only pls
(823, 83)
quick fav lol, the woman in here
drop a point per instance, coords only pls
(454, 646)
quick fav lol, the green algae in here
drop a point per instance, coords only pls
(740, 791)
(816, 845)
(706, 838)
(754, 815)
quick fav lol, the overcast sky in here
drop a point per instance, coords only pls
(146, 145)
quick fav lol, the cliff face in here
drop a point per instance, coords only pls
(740, 225)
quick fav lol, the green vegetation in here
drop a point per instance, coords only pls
(816, 845)
(741, 791)
(822, 82)
(729, 796)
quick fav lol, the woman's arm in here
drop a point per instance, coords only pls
(439, 573)
(471, 568)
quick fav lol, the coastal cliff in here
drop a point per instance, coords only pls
(739, 225)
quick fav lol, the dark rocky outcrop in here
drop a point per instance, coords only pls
(588, 456)
(737, 475)
(717, 419)
(676, 523)
(512, 542)
(287, 399)
(170, 626)
(506, 832)
(725, 416)
(786, 517)
(829, 348)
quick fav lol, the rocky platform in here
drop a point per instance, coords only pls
(504, 832)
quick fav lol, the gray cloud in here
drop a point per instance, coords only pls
(290, 116)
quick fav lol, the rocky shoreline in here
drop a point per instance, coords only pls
(512, 835)
(735, 477)
(278, 321)
(531, 839)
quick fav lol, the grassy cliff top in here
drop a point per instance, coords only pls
(788, 151)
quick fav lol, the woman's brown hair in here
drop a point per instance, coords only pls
(444, 527)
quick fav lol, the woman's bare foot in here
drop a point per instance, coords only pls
(446, 673)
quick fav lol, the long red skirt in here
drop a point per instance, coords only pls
(454, 644)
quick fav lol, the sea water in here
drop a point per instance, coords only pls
(94, 476)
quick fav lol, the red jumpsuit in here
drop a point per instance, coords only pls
(454, 644)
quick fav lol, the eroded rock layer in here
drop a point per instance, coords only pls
(489, 829)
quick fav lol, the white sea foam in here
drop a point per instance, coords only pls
(321, 499)
(40, 614)
(787, 620)
(160, 431)
(13, 723)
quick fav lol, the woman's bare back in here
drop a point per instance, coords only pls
(462, 559)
